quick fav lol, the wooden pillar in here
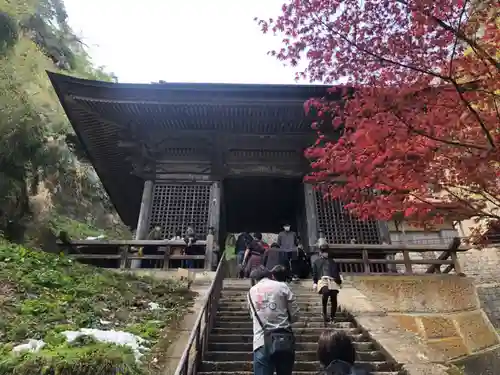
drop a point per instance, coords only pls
(311, 216)
(213, 223)
(143, 220)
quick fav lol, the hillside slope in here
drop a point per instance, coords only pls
(49, 298)
(46, 182)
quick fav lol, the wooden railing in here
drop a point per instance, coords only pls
(123, 252)
(400, 258)
(198, 340)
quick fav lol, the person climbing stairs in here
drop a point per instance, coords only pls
(230, 342)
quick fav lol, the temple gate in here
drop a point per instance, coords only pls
(221, 156)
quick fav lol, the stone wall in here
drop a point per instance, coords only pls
(484, 266)
(444, 310)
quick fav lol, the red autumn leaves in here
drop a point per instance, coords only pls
(417, 133)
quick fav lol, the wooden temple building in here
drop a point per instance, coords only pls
(227, 156)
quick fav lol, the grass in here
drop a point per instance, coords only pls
(79, 230)
(42, 295)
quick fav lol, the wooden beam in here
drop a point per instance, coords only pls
(219, 167)
(451, 249)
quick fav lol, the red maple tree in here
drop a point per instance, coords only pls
(414, 130)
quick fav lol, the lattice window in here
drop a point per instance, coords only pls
(176, 206)
(271, 155)
(339, 226)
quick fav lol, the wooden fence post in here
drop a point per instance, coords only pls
(407, 260)
(456, 262)
(124, 258)
(209, 250)
(166, 257)
(366, 261)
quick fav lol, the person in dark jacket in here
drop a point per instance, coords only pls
(242, 243)
(274, 257)
(337, 354)
(253, 255)
(288, 241)
(327, 281)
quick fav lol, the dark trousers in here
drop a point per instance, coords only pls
(332, 296)
(295, 267)
(263, 364)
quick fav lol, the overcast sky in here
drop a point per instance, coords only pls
(181, 41)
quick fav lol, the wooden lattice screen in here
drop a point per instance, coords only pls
(175, 206)
(340, 227)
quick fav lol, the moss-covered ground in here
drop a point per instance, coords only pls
(42, 295)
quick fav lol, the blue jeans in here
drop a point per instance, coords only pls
(239, 257)
(263, 364)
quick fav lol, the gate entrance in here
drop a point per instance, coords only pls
(262, 204)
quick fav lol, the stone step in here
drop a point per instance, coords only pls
(243, 313)
(298, 331)
(230, 344)
(300, 356)
(361, 346)
(299, 294)
(293, 373)
(236, 366)
(301, 303)
(315, 299)
(249, 337)
(303, 309)
(243, 298)
(316, 319)
(300, 324)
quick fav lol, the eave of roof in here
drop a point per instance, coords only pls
(299, 92)
(98, 132)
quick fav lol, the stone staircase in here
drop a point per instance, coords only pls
(230, 342)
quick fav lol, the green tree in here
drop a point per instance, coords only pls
(34, 132)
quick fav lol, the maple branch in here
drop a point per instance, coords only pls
(497, 109)
(404, 192)
(491, 194)
(424, 134)
(458, 34)
(456, 39)
(434, 74)
(480, 213)
(489, 197)
(459, 89)
(374, 55)
(474, 113)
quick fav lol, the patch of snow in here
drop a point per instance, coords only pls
(111, 337)
(99, 237)
(155, 306)
(105, 322)
(31, 346)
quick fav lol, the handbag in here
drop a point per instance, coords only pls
(332, 285)
(276, 340)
